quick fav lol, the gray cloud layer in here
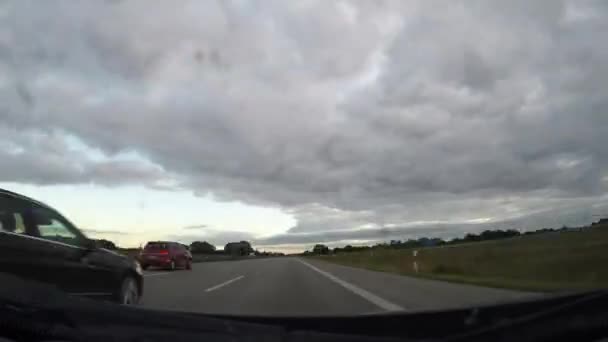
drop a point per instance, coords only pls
(99, 232)
(350, 115)
(196, 227)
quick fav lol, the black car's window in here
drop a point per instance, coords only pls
(19, 225)
(11, 222)
(11, 215)
(50, 226)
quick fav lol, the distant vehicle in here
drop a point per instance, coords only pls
(37, 243)
(166, 254)
(242, 248)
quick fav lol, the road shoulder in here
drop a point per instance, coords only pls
(420, 294)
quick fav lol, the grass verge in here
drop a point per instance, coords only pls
(571, 260)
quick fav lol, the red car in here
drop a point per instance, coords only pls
(165, 254)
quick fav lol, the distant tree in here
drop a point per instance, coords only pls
(410, 243)
(471, 237)
(512, 232)
(202, 247)
(320, 249)
(540, 231)
(382, 245)
(497, 234)
(424, 242)
(455, 241)
(437, 242)
(349, 248)
(486, 235)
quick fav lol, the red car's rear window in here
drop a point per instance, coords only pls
(152, 246)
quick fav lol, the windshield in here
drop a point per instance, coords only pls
(305, 158)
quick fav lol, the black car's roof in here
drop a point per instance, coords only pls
(23, 198)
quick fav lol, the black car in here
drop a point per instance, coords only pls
(37, 243)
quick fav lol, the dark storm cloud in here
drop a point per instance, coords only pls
(43, 158)
(350, 115)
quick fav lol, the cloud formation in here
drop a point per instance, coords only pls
(101, 232)
(353, 116)
(218, 238)
(196, 227)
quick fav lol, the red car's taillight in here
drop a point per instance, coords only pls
(152, 253)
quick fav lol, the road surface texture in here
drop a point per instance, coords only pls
(303, 287)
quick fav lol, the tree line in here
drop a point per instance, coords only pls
(486, 235)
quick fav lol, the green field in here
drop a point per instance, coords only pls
(543, 262)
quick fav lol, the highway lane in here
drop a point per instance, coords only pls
(303, 287)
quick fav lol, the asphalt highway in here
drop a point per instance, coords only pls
(302, 287)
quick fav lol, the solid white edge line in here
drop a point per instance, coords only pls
(213, 288)
(370, 297)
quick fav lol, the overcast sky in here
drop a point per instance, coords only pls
(295, 122)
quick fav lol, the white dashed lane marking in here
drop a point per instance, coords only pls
(218, 286)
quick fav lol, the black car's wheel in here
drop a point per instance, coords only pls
(172, 265)
(129, 294)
